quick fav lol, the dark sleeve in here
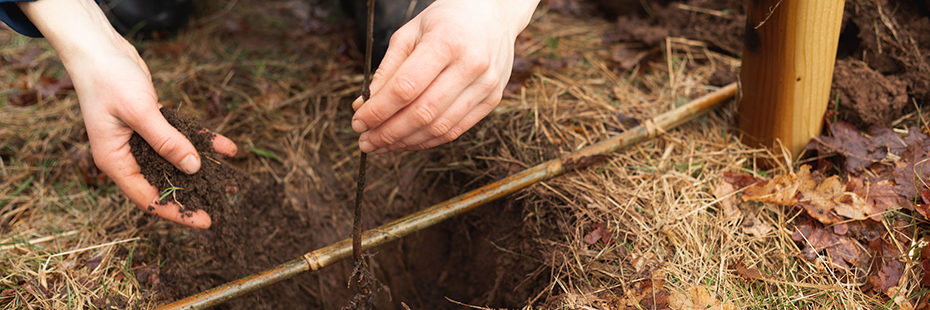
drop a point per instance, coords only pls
(14, 17)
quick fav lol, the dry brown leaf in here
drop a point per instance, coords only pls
(746, 272)
(740, 180)
(858, 150)
(900, 298)
(913, 170)
(599, 232)
(696, 298)
(889, 268)
(880, 196)
(829, 201)
(781, 190)
(755, 227)
(820, 201)
(843, 251)
(728, 201)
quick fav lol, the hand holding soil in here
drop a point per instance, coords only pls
(117, 99)
(443, 72)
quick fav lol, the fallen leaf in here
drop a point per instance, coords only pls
(913, 170)
(755, 227)
(781, 190)
(923, 209)
(696, 298)
(740, 180)
(820, 201)
(599, 233)
(879, 196)
(745, 272)
(899, 297)
(888, 269)
(858, 150)
(728, 201)
(843, 251)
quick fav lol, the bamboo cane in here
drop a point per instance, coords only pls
(788, 59)
(457, 205)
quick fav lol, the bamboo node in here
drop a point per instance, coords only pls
(652, 129)
(312, 262)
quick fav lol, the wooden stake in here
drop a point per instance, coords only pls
(788, 59)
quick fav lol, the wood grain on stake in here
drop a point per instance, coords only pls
(788, 59)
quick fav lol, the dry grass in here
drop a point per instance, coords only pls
(285, 91)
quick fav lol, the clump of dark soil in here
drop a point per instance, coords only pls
(208, 189)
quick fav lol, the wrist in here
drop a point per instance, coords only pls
(76, 29)
(521, 12)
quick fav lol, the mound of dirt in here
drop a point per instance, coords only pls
(867, 97)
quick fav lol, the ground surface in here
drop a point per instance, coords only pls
(657, 225)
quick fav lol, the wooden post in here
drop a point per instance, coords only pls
(788, 59)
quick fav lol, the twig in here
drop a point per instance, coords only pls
(769, 15)
(361, 274)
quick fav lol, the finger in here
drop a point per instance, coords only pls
(164, 139)
(357, 103)
(128, 177)
(172, 212)
(423, 114)
(412, 77)
(399, 48)
(473, 117)
(475, 93)
(224, 146)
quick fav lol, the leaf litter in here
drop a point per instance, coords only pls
(848, 221)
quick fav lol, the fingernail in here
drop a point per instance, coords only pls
(359, 126)
(357, 103)
(366, 146)
(190, 164)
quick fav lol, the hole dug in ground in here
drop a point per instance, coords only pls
(483, 258)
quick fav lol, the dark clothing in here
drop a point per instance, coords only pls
(12, 16)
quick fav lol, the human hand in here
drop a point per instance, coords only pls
(117, 98)
(443, 72)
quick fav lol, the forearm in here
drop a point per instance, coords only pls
(74, 28)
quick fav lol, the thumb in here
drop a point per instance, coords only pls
(167, 141)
